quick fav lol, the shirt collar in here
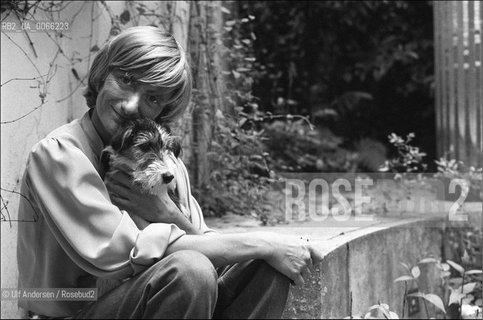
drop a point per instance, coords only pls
(94, 138)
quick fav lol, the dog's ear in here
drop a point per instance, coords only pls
(124, 137)
(167, 129)
(174, 145)
(105, 159)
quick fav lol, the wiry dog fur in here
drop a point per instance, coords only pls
(143, 146)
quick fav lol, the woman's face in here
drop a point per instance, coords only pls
(121, 99)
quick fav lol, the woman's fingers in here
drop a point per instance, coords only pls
(298, 280)
(310, 256)
(119, 191)
(305, 255)
(316, 254)
(302, 264)
(310, 265)
(118, 201)
(119, 178)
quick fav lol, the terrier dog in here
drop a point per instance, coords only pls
(143, 145)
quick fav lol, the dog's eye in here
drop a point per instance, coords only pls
(145, 147)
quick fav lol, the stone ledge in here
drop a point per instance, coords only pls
(364, 262)
(363, 259)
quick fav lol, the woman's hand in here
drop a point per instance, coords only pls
(127, 196)
(145, 208)
(293, 256)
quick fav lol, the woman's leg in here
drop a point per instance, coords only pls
(181, 285)
(251, 289)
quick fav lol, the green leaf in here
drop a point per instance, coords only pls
(428, 260)
(455, 296)
(416, 272)
(456, 266)
(435, 300)
(384, 308)
(384, 311)
(465, 258)
(403, 278)
(445, 266)
(474, 272)
(469, 287)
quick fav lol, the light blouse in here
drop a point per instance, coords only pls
(78, 234)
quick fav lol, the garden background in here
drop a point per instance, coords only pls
(279, 87)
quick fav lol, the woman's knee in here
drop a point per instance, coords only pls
(191, 270)
(181, 285)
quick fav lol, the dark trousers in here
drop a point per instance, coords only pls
(186, 285)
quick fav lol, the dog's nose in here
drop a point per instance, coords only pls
(167, 177)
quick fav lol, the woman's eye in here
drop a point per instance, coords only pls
(153, 99)
(126, 79)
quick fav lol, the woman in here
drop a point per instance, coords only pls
(90, 226)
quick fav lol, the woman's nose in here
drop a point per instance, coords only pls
(130, 107)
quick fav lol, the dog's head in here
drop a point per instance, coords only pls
(143, 146)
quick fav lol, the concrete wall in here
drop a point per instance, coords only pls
(63, 102)
(25, 119)
(364, 263)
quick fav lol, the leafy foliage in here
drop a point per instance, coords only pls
(239, 175)
(463, 289)
(360, 68)
(356, 69)
(295, 147)
(409, 157)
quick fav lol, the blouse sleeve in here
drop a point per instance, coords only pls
(94, 233)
